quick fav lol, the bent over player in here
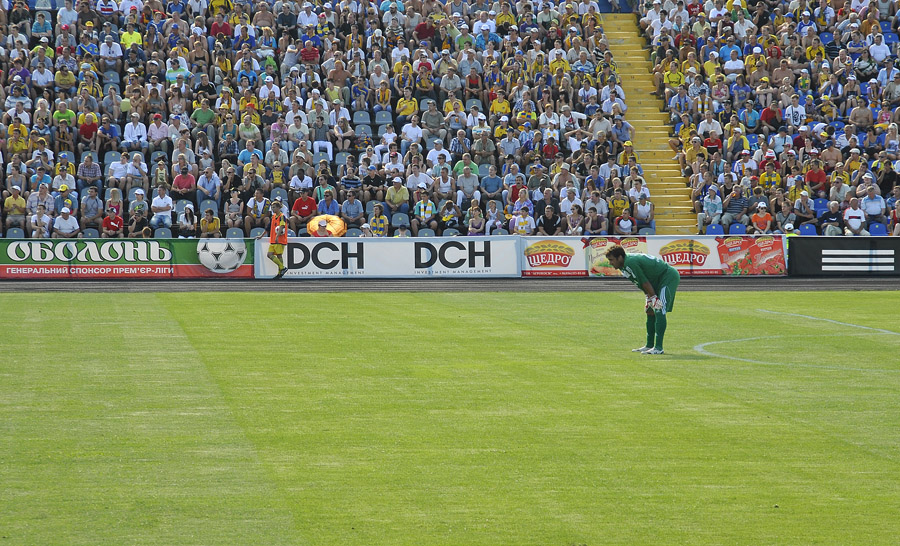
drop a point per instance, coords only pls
(659, 281)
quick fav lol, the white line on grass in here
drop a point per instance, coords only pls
(701, 348)
(891, 332)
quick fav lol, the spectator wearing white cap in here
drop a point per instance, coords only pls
(66, 226)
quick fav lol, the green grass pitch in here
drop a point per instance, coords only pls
(469, 419)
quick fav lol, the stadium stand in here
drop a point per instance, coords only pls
(459, 115)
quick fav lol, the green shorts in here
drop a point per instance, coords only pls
(666, 293)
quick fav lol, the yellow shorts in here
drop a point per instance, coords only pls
(275, 248)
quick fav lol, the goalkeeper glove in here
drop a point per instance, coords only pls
(655, 303)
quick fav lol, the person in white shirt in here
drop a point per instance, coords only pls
(522, 223)
(135, 134)
(65, 226)
(40, 221)
(855, 219)
(162, 209)
(565, 205)
(111, 54)
(410, 133)
(269, 88)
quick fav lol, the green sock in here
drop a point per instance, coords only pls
(651, 330)
(660, 330)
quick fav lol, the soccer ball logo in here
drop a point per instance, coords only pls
(221, 255)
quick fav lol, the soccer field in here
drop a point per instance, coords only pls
(448, 418)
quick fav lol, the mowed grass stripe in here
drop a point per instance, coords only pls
(497, 418)
(111, 432)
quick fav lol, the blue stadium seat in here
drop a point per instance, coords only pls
(353, 232)
(647, 231)
(162, 233)
(451, 232)
(753, 140)
(383, 118)
(131, 195)
(363, 130)
(426, 232)
(234, 233)
(361, 116)
(808, 229)
(399, 219)
(111, 157)
(15, 233)
(341, 158)
(877, 229)
(484, 170)
(838, 125)
(826, 37)
(180, 205)
(820, 204)
(500, 231)
(885, 26)
(255, 232)
(474, 102)
(91, 233)
(157, 155)
(319, 156)
(279, 192)
(737, 229)
(208, 204)
(715, 229)
(891, 38)
(370, 206)
(864, 88)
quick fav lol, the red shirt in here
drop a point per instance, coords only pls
(816, 179)
(768, 115)
(113, 223)
(309, 54)
(424, 32)
(217, 27)
(183, 181)
(87, 131)
(304, 207)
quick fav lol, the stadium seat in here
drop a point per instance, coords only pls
(715, 229)
(111, 76)
(91, 233)
(451, 232)
(484, 170)
(423, 104)
(15, 233)
(838, 125)
(157, 155)
(500, 231)
(885, 26)
(291, 233)
(399, 219)
(353, 232)
(737, 229)
(113, 85)
(234, 233)
(320, 156)
(382, 129)
(361, 116)
(383, 118)
(753, 140)
(429, 142)
(88, 153)
(279, 192)
(370, 206)
(474, 102)
(208, 204)
(864, 88)
(341, 158)
(180, 205)
(820, 204)
(162, 233)
(877, 229)
(426, 232)
(363, 130)
(891, 38)
(647, 231)
(111, 157)
(107, 193)
(257, 231)
(301, 232)
(131, 195)
(826, 37)
(808, 229)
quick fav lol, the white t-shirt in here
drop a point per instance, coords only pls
(66, 225)
(854, 218)
(118, 169)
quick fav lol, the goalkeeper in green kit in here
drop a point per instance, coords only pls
(659, 281)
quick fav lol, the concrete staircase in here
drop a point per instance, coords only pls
(668, 188)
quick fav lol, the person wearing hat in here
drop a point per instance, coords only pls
(761, 220)
(321, 229)
(66, 226)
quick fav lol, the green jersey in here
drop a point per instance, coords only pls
(641, 268)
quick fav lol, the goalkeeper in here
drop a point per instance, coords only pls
(659, 281)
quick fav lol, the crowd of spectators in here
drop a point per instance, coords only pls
(191, 116)
(786, 113)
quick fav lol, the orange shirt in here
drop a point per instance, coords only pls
(274, 237)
